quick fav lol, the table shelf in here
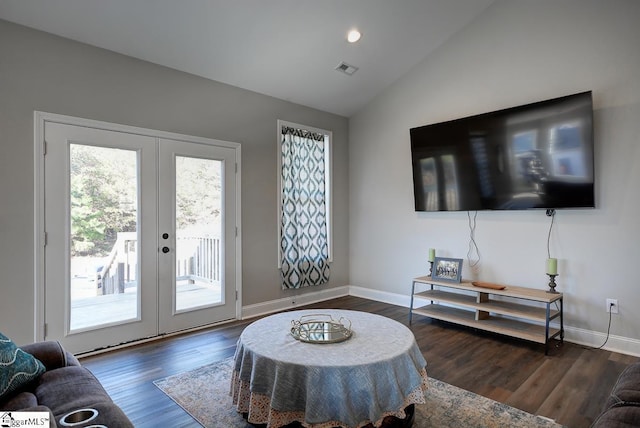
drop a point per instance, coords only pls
(512, 313)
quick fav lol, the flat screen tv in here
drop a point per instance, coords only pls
(538, 155)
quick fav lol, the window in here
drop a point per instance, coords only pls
(304, 205)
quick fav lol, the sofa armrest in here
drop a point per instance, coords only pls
(51, 353)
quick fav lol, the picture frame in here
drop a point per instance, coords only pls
(447, 269)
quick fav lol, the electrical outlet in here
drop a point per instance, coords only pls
(612, 306)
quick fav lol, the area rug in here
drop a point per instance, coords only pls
(204, 394)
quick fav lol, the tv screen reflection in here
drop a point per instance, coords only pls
(534, 156)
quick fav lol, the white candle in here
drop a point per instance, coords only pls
(552, 266)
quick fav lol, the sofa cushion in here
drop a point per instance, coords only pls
(19, 401)
(18, 368)
(620, 416)
(627, 388)
(622, 408)
(51, 354)
(69, 388)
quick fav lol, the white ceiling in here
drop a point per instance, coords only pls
(284, 48)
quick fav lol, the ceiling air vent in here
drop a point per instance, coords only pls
(347, 69)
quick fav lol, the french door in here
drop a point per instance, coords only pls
(140, 234)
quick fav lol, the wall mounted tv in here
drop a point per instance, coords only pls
(538, 155)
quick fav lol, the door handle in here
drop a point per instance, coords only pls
(165, 250)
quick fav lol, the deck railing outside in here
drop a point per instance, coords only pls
(198, 259)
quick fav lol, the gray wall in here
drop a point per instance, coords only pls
(517, 52)
(42, 72)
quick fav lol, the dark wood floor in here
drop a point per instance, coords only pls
(568, 385)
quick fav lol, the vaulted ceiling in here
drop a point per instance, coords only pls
(288, 49)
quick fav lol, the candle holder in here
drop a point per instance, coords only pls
(552, 284)
(430, 268)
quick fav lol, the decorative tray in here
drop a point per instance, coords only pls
(321, 328)
(488, 285)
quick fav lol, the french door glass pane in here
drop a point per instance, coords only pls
(198, 233)
(104, 214)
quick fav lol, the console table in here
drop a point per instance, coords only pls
(277, 380)
(465, 304)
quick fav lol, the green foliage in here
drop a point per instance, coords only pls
(198, 189)
(103, 197)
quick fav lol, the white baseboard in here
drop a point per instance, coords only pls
(380, 296)
(595, 339)
(592, 339)
(278, 305)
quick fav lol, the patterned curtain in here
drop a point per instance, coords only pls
(304, 244)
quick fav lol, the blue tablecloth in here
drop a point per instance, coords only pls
(360, 379)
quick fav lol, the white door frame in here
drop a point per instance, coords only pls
(40, 118)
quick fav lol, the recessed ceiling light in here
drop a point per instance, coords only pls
(353, 36)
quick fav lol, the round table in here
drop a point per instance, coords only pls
(376, 373)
